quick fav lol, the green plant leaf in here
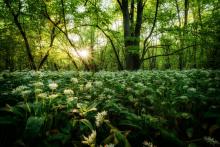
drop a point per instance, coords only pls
(87, 123)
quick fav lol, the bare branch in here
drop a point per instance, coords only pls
(113, 47)
(154, 24)
(66, 35)
(158, 46)
(120, 4)
(173, 53)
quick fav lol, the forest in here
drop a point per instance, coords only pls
(109, 73)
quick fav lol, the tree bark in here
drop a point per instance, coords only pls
(131, 33)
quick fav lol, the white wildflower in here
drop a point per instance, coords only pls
(191, 90)
(109, 96)
(38, 84)
(185, 87)
(110, 145)
(139, 85)
(148, 144)
(211, 140)
(38, 91)
(53, 96)
(70, 99)
(98, 84)
(100, 118)
(74, 80)
(42, 95)
(68, 92)
(129, 89)
(91, 139)
(25, 93)
(81, 87)
(101, 96)
(183, 97)
(88, 85)
(19, 89)
(53, 86)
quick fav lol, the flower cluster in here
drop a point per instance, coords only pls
(38, 84)
(100, 118)
(211, 140)
(91, 139)
(19, 89)
(53, 86)
(74, 80)
(68, 92)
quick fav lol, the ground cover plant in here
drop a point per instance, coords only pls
(106, 109)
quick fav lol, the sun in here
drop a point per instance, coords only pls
(83, 53)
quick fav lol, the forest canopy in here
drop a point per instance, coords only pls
(109, 34)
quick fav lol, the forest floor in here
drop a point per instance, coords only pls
(106, 109)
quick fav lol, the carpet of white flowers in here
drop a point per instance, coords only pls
(106, 109)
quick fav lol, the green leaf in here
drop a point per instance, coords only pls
(122, 140)
(87, 123)
(33, 126)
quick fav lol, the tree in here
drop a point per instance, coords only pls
(16, 15)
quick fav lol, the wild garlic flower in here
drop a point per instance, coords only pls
(98, 84)
(211, 140)
(185, 87)
(53, 96)
(74, 80)
(38, 91)
(88, 85)
(139, 85)
(183, 97)
(109, 145)
(19, 89)
(70, 99)
(25, 93)
(68, 92)
(191, 90)
(42, 95)
(100, 118)
(38, 84)
(148, 144)
(53, 86)
(91, 139)
(81, 87)
(129, 89)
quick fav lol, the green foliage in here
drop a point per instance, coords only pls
(120, 108)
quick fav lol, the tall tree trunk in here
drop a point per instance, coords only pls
(131, 33)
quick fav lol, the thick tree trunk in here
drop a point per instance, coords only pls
(132, 33)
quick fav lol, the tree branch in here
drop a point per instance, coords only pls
(154, 24)
(120, 4)
(173, 53)
(66, 35)
(120, 66)
(52, 37)
(113, 47)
